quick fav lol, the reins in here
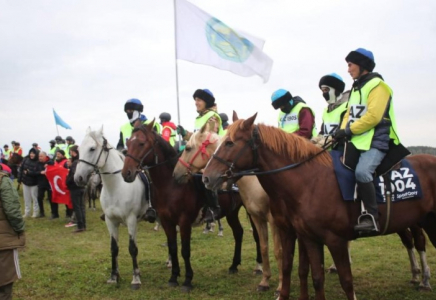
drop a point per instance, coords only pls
(251, 143)
(95, 166)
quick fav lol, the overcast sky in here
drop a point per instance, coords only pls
(86, 58)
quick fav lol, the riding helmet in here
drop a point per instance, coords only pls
(133, 104)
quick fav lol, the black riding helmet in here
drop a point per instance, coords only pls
(165, 117)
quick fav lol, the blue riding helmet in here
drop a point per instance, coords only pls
(133, 104)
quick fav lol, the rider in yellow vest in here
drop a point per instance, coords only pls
(295, 116)
(53, 149)
(369, 124)
(60, 144)
(133, 108)
(168, 128)
(6, 154)
(332, 87)
(70, 143)
(206, 108)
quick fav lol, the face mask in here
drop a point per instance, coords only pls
(330, 96)
(133, 116)
(287, 108)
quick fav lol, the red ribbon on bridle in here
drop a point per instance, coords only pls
(201, 150)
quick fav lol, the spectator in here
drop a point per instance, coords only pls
(61, 161)
(11, 235)
(70, 143)
(17, 149)
(30, 183)
(77, 192)
(52, 151)
(6, 154)
(36, 147)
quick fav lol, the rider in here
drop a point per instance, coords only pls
(17, 149)
(295, 116)
(225, 120)
(60, 143)
(332, 87)
(53, 148)
(369, 124)
(133, 108)
(206, 108)
(6, 154)
(168, 128)
(70, 143)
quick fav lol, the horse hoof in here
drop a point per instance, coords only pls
(262, 288)
(135, 286)
(111, 281)
(423, 288)
(414, 281)
(277, 293)
(173, 284)
(233, 271)
(257, 272)
(220, 234)
(332, 271)
(186, 288)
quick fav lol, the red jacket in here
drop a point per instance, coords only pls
(166, 132)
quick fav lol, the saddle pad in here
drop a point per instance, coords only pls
(404, 181)
(146, 182)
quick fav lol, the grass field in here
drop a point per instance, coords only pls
(57, 264)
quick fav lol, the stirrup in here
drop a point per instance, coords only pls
(366, 215)
(150, 215)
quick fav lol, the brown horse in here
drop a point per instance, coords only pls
(306, 199)
(197, 152)
(176, 204)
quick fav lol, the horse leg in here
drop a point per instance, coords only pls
(262, 229)
(419, 238)
(258, 269)
(332, 268)
(133, 250)
(238, 232)
(277, 253)
(407, 240)
(207, 228)
(185, 235)
(303, 271)
(171, 233)
(339, 250)
(287, 238)
(220, 228)
(315, 252)
(113, 230)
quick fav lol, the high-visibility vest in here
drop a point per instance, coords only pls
(52, 151)
(126, 130)
(7, 154)
(289, 122)
(172, 139)
(332, 119)
(358, 106)
(200, 121)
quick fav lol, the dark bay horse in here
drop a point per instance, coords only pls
(176, 204)
(306, 200)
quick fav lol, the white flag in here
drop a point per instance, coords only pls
(203, 39)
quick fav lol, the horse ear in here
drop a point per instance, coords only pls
(235, 116)
(101, 129)
(137, 123)
(150, 125)
(88, 130)
(249, 122)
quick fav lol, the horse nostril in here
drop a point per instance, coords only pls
(80, 179)
(128, 173)
(205, 179)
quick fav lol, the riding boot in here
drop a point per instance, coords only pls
(366, 192)
(213, 208)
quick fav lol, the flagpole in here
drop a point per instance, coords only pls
(177, 69)
(57, 128)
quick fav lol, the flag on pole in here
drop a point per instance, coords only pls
(203, 39)
(59, 121)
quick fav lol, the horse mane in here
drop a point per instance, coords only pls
(167, 150)
(280, 142)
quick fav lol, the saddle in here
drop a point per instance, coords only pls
(150, 214)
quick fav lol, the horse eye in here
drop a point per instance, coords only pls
(92, 149)
(187, 149)
(141, 144)
(229, 143)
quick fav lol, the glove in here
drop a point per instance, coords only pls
(340, 135)
(181, 130)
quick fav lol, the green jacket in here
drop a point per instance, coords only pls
(11, 220)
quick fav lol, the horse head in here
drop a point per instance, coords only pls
(140, 150)
(198, 151)
(232, 154)
(93, 146)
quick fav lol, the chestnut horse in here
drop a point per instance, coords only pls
(176, 204)
(197, 152)
(306, 199)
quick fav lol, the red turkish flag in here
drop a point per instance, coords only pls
(57, 176)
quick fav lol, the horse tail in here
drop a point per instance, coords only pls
(429, 226)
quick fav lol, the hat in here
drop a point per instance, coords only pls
(280, 98)
(35, 144)
(52, 142)
(363, 58)
(69, 138)
(134, 104)
(224, 117)
(165, 116)
(61, 152)
(333, 80)
(206, 96)
(5, 146)
(58, 138)
(17, 143)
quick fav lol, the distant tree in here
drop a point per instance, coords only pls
(422, 150)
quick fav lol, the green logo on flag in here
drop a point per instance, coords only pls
(226, 42)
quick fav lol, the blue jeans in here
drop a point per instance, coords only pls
(367, 164)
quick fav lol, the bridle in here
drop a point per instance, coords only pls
(104, 148)
(201, 151)
(251, 143)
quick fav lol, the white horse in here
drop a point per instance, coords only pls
(121, 202)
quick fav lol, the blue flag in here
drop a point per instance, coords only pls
(59, 121)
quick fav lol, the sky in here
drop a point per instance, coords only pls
(86, 58)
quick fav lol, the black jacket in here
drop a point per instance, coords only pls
(41, 178)
(71, 184)
(29, 165)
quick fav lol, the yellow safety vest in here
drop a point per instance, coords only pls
(201, 120)
(289, 122)
(332, 120)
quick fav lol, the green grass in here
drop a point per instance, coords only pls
(59, 265)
